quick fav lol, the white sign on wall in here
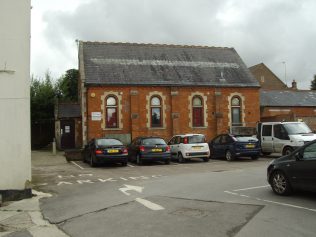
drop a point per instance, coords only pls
(96, 116)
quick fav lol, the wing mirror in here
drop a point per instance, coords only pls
(298, 156)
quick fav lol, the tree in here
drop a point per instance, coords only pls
(42, 98)
(313, 85)
(68, 86)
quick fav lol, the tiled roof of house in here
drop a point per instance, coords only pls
(69, 110)
(159, 65)
(288, 98)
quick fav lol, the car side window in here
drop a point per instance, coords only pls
(310, 152)
(177, 140)
(171, 142)
(224, 139)
(216, 140)
(266, 130)
(280, 132)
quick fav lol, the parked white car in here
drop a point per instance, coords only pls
(187, 146)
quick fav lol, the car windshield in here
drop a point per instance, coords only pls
(297, 128)
(108, 142)
(196, 139)
(246, 139)
(154, 141)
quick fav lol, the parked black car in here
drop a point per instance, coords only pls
(149, 149)
(232, 146)
(105, 150)
(294, 171)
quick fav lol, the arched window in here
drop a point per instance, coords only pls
(236, 111)
(111, 112)
(155, 111)
(197, 104)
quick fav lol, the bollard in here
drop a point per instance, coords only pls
(54, 147)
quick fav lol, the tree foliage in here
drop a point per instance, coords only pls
(68, 86)
(42, 98)
(313, 85)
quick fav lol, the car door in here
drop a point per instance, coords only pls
(216, 146)
(303, 171)
(266, 138)
(280, 137)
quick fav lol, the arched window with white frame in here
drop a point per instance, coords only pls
(111, 112)
(156, 111)
(198, 111)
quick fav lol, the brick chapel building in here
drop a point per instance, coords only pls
(129, 90)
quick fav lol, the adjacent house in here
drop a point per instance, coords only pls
(267, 79)
(288, 105)
(129, 90)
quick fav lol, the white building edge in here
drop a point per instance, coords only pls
(15, 141)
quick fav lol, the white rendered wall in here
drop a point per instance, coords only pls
(15, 147)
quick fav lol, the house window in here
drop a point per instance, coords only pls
(155, 111)
(111, 112)
(197, 109)
(236, 111)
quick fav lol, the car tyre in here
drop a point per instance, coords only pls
(124, 163)
(139, 160)
(206, 159)
(287, 151)
(167, 162)
(280, 184)
(229, 156)
(266, 153)
(254, 157)
(180, 158)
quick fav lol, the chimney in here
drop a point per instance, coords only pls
(294, 85)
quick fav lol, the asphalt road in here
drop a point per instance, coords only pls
(217, 198)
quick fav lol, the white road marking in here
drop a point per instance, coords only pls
(149, 204)
(243, 189)
(77, 165)
(130, 165)
(265, 200)
(130, 188)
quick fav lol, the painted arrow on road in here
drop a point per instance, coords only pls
(131, 188)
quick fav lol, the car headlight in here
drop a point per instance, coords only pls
(300, 142)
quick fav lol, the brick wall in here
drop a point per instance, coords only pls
(176, 110)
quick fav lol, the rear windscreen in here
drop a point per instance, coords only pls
(246, 139)
(154, 141)
(196, 139)
(108, 142)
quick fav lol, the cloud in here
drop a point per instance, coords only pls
(270, 31)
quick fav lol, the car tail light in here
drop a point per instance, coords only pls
(125, 151)
(168, 148)
(142, 148)
(185, 140)
(98, 152)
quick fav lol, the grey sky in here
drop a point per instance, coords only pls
(268, 31)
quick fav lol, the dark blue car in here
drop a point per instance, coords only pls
(232, 146)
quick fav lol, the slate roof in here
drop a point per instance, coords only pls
(288, 98)
(162, 65)
(69, 110)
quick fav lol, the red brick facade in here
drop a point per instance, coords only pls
(134, 110)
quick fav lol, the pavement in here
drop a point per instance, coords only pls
(24, 218)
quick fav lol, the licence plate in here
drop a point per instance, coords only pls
(196, 147)
(156, 150)
(250, 146)
(113, 151)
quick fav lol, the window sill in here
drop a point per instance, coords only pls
(112, 129)
(200, 127)
(156, 128)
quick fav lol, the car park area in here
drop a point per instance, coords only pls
(169, 199)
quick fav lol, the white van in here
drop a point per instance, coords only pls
(283, 137)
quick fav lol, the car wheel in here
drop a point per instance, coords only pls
(279, 183)
(287, 151)
(138, 160)
(92, 162)
(266, 153)
(206, 159)
(167, 162)
(229, 156)
(255, 157)
(180, 158)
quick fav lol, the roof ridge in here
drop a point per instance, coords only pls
(155, 44)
